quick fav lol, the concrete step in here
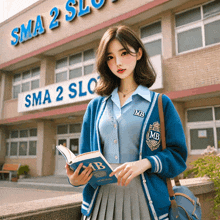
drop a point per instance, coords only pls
(58, 208)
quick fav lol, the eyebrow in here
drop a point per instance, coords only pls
(118, 50)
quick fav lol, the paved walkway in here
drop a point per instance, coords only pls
(35, 188)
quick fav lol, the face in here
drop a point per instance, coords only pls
(120, 62)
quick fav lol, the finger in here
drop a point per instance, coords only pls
(84, 174)
(86, 171)
(118, 169)
(87, 177)
(128, 180)
(76, 173)
(125, 177)
(68, 170)
(122, 173)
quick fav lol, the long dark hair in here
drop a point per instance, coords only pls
(144, 73)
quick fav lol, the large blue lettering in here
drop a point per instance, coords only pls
(39, 29)
(37, 99)
(89, 85)
(70, 9)
(71, 89)
(54, 23)
(26, 32)
(28, 101)
(60, 90)
(81, 93)
(97, 5)
(83, 11)
(47, 97)
(14, 33)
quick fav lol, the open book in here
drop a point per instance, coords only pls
(95, 159)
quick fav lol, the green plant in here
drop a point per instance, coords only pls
(208, 165)
(23, 170)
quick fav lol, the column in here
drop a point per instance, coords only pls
(2, 90)
(2, 145)
(46, 147)
(168, 35)
(47, 71)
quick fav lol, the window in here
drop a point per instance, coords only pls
(68, 135)
(203, 127)
(74, 66)
(26, 81)
(204, 114)
(68, 129)
(198, 27)
(151, 37)
(22, 143)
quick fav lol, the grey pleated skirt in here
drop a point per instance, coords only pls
(120, 203)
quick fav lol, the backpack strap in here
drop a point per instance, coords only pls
(163, 141)
(162, 130)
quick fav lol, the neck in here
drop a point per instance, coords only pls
(127, 85)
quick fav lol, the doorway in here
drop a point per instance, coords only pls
(71, 142)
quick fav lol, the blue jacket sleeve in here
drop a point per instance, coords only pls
(84, 145)
(171, 162)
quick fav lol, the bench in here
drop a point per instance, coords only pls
(10, 169)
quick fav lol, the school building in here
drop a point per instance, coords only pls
(47, 56)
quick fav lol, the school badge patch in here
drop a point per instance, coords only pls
(153, 136)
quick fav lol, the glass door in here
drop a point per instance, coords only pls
(60, 161)
(71, 142)
(74, 145)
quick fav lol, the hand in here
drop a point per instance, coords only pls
(77, 179)
(128, 171)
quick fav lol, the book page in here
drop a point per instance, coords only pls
(67, 153)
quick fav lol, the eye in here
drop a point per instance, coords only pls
(109, 58)
(124, 53)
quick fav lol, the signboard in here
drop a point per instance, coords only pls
(202, 133)
(71, 91)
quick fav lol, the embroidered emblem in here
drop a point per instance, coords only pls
(139, 113)
(153, 136)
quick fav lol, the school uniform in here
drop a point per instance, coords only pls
(128, 134)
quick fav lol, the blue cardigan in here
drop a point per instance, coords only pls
(165, 164)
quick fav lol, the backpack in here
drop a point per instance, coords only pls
(184, 205)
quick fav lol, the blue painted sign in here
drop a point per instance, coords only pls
(75, 90)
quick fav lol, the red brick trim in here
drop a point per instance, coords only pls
(45, 114)
(86, 32)
(193, 92)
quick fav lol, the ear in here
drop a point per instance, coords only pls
(139, 53)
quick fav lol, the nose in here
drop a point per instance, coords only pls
(118, 61)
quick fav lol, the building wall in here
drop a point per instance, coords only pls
(187, 71)
(66, 29)
(192, 70)
(32, 163)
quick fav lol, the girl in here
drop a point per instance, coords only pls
(123, 123)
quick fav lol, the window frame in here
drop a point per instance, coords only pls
(152, 38)
(22, 81)
(18, 140)
(68, 129)
(200, 23)
(69, 67)
(202, 124)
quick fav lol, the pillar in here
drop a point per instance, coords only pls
(168, 35)
(46, 147)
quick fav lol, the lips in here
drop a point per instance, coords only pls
(121, 70)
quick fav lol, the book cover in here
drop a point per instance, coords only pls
(95, 159)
